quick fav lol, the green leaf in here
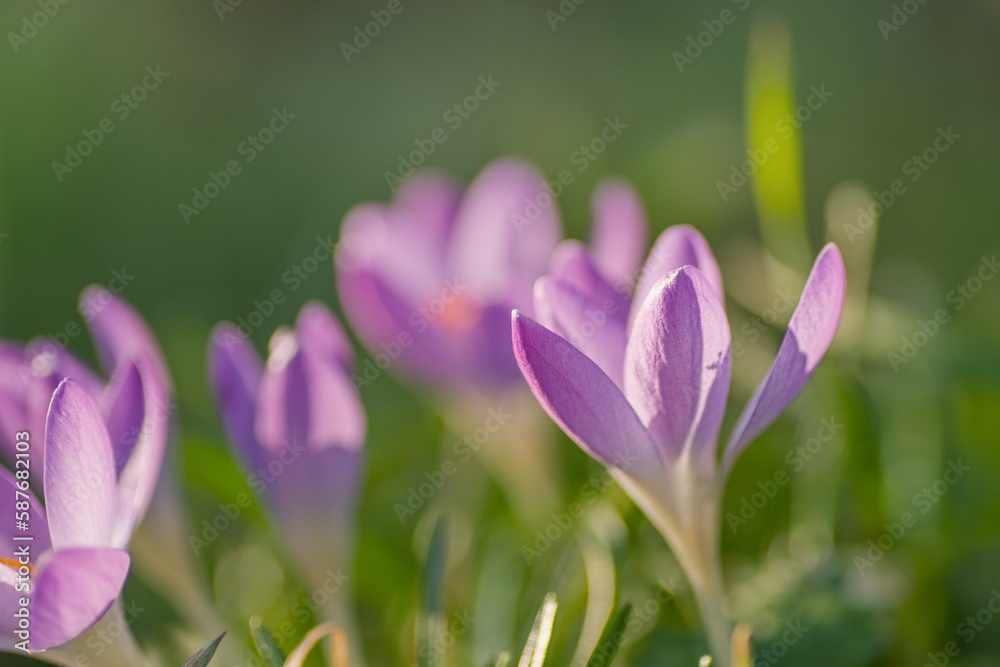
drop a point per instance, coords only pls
(432, 583)
(773, 145)
(611, 639)
(266, 646)
(537, 645)
(204, 656)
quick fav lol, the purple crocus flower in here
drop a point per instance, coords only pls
(96, 450)
(428, 281)
(298, 428)
(644, 391)
(73, 569)
(135, 401)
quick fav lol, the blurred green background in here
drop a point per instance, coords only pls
(118, 210)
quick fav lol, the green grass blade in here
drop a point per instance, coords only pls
(204, 656)
(266, 646)
(611, 639)
(537, 645)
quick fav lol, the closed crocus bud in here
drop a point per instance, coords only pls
(646, 391)
(428, 280)
(298, 429)
(70, 572)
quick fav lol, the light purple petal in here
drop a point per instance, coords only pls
(620, 235)
(119, 331)
(394, 245)
(584, 401)
(306, 400)
(390, 326)
(505, 230)
(677, 363)
(313, 500)
(234, 369)
(573, 264)
(588, 325)
(124, 408)
(74, 589)
(426, 203)
(318, 328)
(138, 477)
(677, 246)
(810, 331)
(79, 470)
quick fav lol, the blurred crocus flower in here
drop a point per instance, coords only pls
(645, 391)
(61, 581)
(95, 448)
(135, 401)
(428, 281)
(298, 428)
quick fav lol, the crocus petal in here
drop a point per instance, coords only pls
(677, 362)
(426, 203)
(124, 408)
(582, 399)
(380, 239)
(584, 323)
(505, 230)
(313, 498)
(79, 470)
(620, 235)
(677, 246)
(306, 400)
(573, 264)
(140, 472)
(394, 329)
(73, 590)
(810, 332)
(317, 327)
(234, 369)
(119, 331)
(44, 359)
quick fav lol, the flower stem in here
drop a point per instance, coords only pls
(108, 643)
